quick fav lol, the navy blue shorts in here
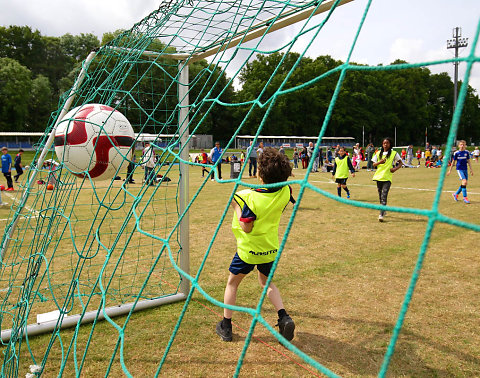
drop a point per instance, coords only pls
(239, 266)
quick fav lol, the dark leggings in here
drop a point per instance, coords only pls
(383, 187)
(8, 176)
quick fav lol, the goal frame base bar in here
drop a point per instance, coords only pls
(91, 316)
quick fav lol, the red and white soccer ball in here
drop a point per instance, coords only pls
(94, 138)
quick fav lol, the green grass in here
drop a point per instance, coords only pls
(343, 277)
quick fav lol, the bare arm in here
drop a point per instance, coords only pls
(246, 227)
(470, 165)
(397, 167)
(451, 165)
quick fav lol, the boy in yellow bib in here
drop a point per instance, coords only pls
(387, 161)
(255, 226)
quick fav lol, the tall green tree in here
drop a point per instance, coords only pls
(24, 45)
(40, 104)
(15, 87)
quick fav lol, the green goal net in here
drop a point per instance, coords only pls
(88, 251)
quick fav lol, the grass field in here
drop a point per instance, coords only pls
(343, 277)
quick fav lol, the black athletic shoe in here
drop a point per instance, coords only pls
(286, 327)
(224, 333)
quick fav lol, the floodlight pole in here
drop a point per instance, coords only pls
(183, 120)
(456, 43)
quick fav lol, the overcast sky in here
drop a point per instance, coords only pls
(412, 30)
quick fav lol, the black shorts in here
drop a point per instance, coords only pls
(239, 266)
(342, 181)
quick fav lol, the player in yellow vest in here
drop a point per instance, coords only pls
(255, 225)
(341, 166)
(387, 161)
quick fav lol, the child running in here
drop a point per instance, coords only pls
(462, 157)
(255, 225)
(387, 161)
(341, 166)
(18, 165)
(204, 160)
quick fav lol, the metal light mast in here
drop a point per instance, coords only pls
(456, 43)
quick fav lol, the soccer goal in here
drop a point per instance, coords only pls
(88, 250)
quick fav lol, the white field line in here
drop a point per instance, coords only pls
(37, 214)
(7, 219)
(393, 186)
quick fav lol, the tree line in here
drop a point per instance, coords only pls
(35, 71)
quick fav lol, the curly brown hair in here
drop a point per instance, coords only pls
(273, 166)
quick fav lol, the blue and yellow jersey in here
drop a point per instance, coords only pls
(461, 157)
(264, 207)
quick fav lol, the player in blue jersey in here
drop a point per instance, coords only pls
(7, 168)
(462, 159)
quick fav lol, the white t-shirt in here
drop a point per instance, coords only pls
(148, 157)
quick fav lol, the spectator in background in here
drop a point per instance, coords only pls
(309, 152)
(428, 154)
(316, 161)
(439, 153)
(356, 149)
(252, 160)
(419, 156)
(370, 151)
(336, 151)
(434, 154)
(320, 156)
(148, 163)
(295, 158)
(260, 149)
(18, 165)
(130, 168)
(304, 157)
(409, 154)
(476, 154)
(215, 157)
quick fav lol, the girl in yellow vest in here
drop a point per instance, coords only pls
(255, 225)
(341, 166)
(387, 161)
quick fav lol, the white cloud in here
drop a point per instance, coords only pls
(58, 17)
